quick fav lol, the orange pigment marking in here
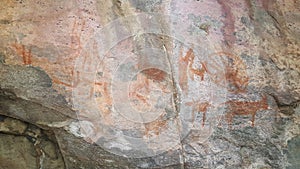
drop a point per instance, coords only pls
(155, 127)
(234, 78)
(105, 91)
(245, 108)
(155, 74)
(199, 107)
(25, 54)
(199, 72)
(183, 65)
(234, 74)
(76, 36)
(186, 65)
(141, 83)
(61, 83)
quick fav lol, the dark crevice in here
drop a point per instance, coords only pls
(293, 104)
(60, 151)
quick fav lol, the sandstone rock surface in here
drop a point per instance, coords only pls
(149, 84)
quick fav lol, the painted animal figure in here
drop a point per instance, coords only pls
(233, 78)
(236, 108)
(231, 73)
(198, 107)
(186, 67)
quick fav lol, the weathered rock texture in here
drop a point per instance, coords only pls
(100, 84)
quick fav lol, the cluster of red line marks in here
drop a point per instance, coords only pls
(27, 57)
(23, 52)
(186, 68)
(245, 108)
(76, 35)
(104, 90)
(198, 106)
(70, 85)
(76, 47)
(139, 90)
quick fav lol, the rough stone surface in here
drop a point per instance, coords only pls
(149, 84)
(24, 145)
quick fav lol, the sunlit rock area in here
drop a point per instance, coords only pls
(187, 84)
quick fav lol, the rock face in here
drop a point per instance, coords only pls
(154, 84)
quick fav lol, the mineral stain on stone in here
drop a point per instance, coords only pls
(145, 6)
(228, 28)
(76, 35)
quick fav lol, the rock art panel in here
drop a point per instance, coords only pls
(132, 84)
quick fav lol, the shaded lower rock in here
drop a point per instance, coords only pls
(26, 93)
(81, 154)
(24, 145)
(240, 148)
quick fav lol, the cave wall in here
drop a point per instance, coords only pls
(149, 84)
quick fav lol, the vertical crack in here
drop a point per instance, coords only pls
(39, 152)
(41, 155)
(176, 102)
(60, 151)
(176, 95)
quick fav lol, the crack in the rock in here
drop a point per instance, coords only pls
(176, 95)
(61, 152)
(176, 101)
